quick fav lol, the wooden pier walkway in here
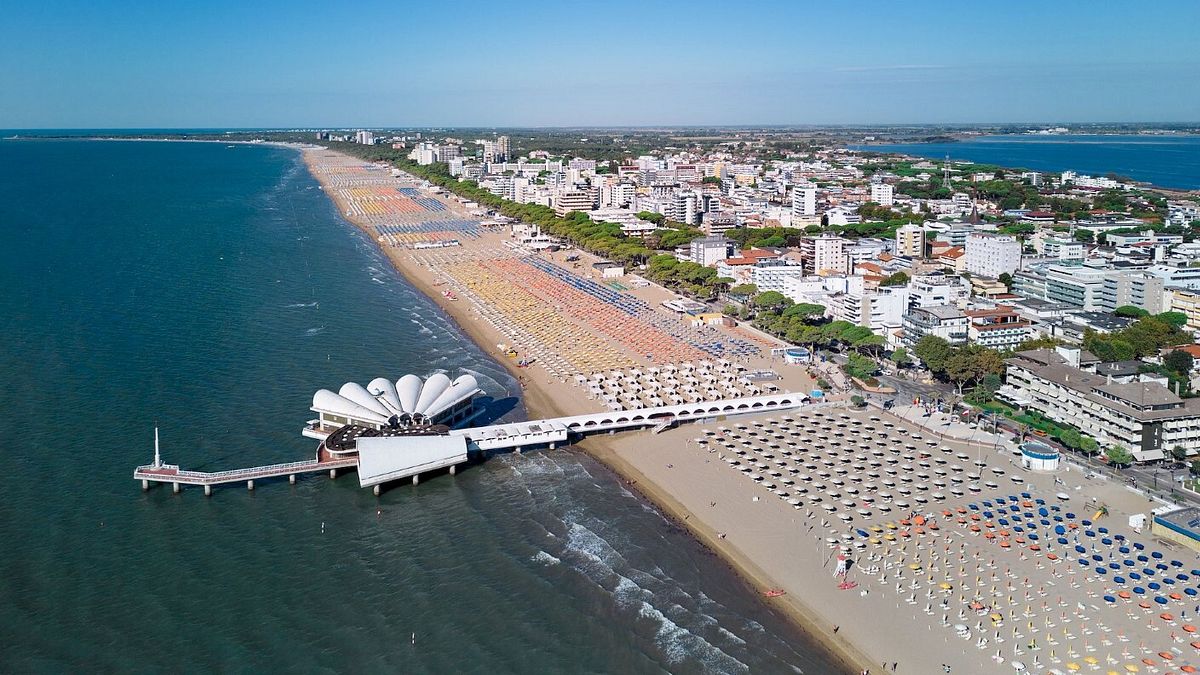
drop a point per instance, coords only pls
(171, 473)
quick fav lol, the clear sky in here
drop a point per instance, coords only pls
(223, 63)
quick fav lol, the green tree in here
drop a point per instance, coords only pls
(1179, 362)
(1088, 445)
(900, 357)
(1071, 438)
(744, 290)
(897, 279)
(933, 352)
(772, 300)
(858, 401)
(1131, 311)
(860, 367)
(1118, 456)
(1179, 453)
(1176, 319)
(805, 310)
(1006, 279)
(1194, 467)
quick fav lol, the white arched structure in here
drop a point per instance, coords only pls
(384, 404)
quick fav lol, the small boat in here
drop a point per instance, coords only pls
(774, 592)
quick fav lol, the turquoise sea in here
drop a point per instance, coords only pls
(1171, 161)
(211, 289)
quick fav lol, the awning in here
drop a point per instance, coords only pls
(1148, 455)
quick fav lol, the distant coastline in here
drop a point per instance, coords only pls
(1157, 161)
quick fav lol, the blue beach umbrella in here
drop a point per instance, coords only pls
(1135, 576)
(1139, 545)
(1119, 580)
(1097, 557)
(1109, 598)
(1080, 549)
(1127, 562)
(1157, 555)
(1071, 515)
(1059, 529)
(1139, 590)
(1062, 540)
(1191, 591)
(1154, 586)
(1160, 600)
(1115, 566)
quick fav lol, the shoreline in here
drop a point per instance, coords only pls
(540, 403)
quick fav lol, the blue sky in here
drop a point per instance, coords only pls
(565, 63)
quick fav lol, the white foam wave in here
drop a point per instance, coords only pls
(545, 558)
(297, 305)
(314, 331)
(679, 644)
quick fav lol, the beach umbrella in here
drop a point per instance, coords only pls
(1160, 600)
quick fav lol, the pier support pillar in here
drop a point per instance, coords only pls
(452, 468)
(145, 485)
(377, 489)
(249, 485)
(552, 444)
(333, 473)
(207, 490)
(517, 449)
(292, 479)
(611, 432)
(416, 478)
(175, 487)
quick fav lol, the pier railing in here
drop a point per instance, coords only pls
(173, 474)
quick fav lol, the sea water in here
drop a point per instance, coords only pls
(1171, 161)
(210, 289)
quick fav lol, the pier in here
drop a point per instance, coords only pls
(384, 466)
(159, 472)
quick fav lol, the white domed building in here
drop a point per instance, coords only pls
(408, 405)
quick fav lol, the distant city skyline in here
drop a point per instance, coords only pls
(116, 65)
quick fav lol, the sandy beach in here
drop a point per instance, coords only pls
(956, 556)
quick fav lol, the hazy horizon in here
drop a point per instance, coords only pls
(116, 65)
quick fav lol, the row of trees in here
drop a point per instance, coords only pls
(602, 238)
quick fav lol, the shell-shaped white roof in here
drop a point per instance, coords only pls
(380, 400)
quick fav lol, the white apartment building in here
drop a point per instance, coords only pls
(573, 200)
(711, 250)
(882, 194)
(932, 290)
(1062, 384)
(910, 241)
(826, 254)
(773, 275)
(804, 200)
(990, 255)
(945, 321)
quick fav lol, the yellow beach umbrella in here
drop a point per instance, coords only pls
(1072, 666)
